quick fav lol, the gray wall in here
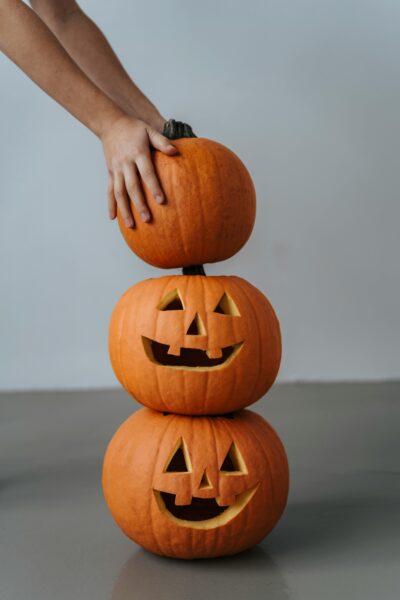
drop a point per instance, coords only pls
(308, 94)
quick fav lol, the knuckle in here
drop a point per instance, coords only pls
(147, 173)
(132, 193)
(116, 166)
(135, 154)
(139, 202)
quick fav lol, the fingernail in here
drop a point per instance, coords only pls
(172, 149)
(159, 198)
(129, 223)
(145, 216)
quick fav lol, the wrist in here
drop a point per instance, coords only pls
(107, 119)
(145, 111)
(156, 121)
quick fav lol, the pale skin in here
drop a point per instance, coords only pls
(66, 54)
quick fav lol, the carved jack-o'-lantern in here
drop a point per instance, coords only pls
(195, 487)
(195, 344)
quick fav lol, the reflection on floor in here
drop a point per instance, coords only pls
(338, 538)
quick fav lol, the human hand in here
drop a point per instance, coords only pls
(126, 144)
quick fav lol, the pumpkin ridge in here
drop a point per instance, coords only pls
(152, 528)
(153, 504)
(244, 432)
(179, 223)
(214, 438)
(200, 237)
(234, 384)
(279, 455)
(263, 451)
(184, 395)
(160, 392)
(191, 543)
(267, 458)
(255, 320)
(205, 400)
(223, 211)
(232, 436)
(141, 303)
(274, 331)
(142, 296)
(121, 327)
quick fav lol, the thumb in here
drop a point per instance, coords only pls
(160, 142)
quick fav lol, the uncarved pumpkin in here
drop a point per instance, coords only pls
(210, 208)
(192, 487)
(195, 344)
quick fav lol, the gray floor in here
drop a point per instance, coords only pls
(339, 537)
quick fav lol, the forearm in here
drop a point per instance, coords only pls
(89, 48)
(26, 40)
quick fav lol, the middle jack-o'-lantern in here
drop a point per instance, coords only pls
(192, 487)
(195, 344)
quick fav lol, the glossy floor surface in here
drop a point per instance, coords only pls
(339, 536)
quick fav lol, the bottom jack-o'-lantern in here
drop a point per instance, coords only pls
(195, 487)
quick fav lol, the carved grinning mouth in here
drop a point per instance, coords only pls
(202, 513)
(189, 358)
(198, 510)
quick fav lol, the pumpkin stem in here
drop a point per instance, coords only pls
(174, 130)
(193, 270)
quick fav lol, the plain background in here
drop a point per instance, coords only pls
(307, 93)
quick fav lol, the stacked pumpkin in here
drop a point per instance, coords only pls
(195, 474)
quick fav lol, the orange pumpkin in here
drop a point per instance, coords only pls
(192, 487)
(210, 208)
(195, 344)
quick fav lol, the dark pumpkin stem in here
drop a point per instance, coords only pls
(174, 130)
(194, 270)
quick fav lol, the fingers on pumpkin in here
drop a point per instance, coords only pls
(112, 203)
(149, 177)
(121, 198)
(161, 142)
(134, 189)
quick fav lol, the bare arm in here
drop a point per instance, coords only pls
(89, 48)
(28, 42)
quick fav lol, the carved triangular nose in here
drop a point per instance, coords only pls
(205, 482)
(196, 327)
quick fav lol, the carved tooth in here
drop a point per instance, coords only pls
(175, 350)
(214, 353)
(182, 498)
(225, 500)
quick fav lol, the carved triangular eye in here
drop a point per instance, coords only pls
(233, 461)
(226, 306)
(172, 301)
(179, 461)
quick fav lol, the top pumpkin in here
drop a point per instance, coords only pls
(209, 212)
